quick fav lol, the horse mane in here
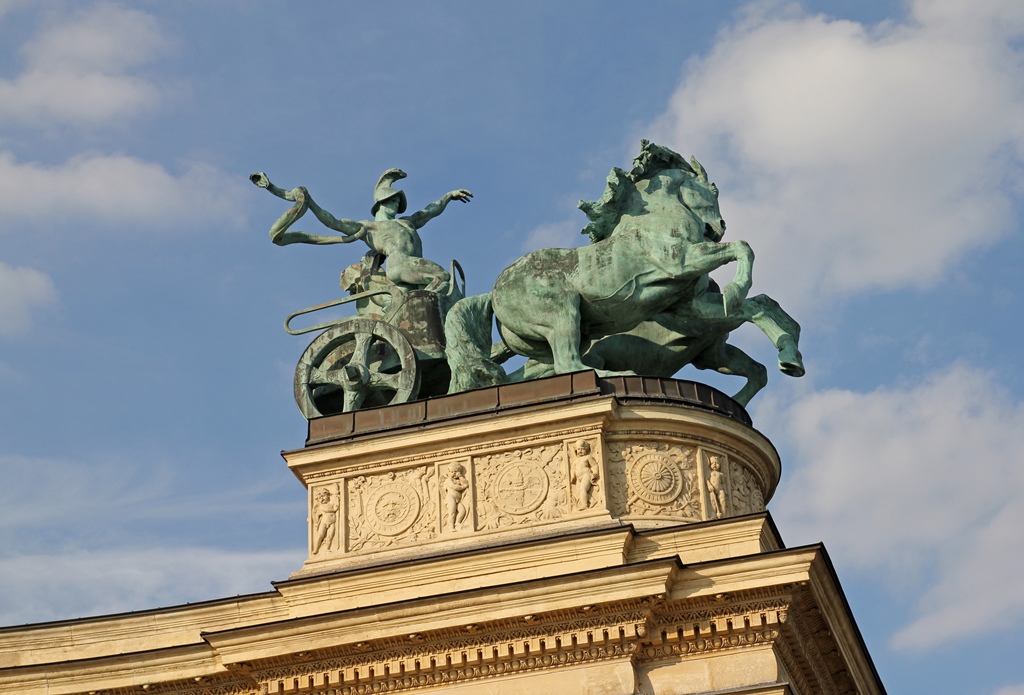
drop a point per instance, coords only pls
(604, 213)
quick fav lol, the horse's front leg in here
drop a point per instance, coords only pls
(781, 328)
(729, 359)
(707, 256)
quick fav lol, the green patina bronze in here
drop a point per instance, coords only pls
(392, 350)
(637, 300)
(396, 238)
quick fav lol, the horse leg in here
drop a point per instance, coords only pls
(563, 336)
(781, 329)
(729, 359)
(706, 256)
(765, 313)
(562, 333)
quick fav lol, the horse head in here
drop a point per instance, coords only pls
(700, 196)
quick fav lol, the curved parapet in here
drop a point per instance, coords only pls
(522, 461)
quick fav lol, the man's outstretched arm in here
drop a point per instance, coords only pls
(282, 236)
(418, 219)
(347, 227)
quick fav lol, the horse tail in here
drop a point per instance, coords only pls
(467, 331)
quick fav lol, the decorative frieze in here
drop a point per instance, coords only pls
(649, 631)
(462, 490)
(391, 509)
(521, 486)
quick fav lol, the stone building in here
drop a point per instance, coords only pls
(566, 535)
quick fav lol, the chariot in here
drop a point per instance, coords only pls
(390, 352)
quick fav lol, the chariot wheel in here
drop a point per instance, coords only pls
(359, 362)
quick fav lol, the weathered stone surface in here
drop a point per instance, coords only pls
(552, 460)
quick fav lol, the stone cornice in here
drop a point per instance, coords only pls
(646, 613)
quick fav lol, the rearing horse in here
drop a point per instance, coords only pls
(656, 235)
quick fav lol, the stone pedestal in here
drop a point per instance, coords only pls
(601, 455)
(571, 535)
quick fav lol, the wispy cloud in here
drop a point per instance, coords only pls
(78, 69)
(47, 497)
(23, 291)
(559, 235)
(923, 484)
(70, 533)
(869, 157)
(46, 587)
(119, 189)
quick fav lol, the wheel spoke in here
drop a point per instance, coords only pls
(354, 399)
(389, 381)
(361, 351)
(371, 362)
(320, 377)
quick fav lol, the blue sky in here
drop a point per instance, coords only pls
(870, 152)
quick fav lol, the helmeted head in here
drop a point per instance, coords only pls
(383, 191)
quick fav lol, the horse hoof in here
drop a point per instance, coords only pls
(792, 364)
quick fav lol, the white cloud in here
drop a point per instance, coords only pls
(39, 588)
(22, 291)
(68, 498)
(865, 157)
(559, 235)
(119, 189)
(1011, 690)
(922, 484)
(69, 538)
(77, 69)
(8, 5)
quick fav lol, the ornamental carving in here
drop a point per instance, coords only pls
(488, 650)
(521, 486)
(324, 519)
(454, 497)
(714, 481)
(654, 478)
(746, 493)
(584, 476)
(390, 508)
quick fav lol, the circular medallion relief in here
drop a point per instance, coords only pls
(392, 508)
(655, 479)
(520, 488)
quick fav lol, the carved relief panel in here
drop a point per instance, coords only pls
(716, 485)
(455, 496)
(654, 478)
(521, 486)
(389, 509)
(325, 518)
(586, 479)
(640, 475)
(746, 490)
(731, 486)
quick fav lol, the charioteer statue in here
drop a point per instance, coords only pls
(393, 349)
(638, 299)
(395, 238)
